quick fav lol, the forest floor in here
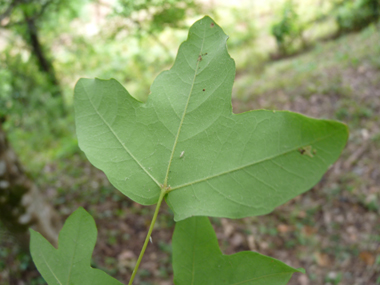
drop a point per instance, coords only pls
(333, 231)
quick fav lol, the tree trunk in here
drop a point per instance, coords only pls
(44, 63)
(22, 205)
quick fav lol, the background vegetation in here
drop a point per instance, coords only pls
(317, 57)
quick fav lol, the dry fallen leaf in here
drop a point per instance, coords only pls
(228, 227)
(322, 259)
(367, 257)
(251, 243)
(237, 240)
(282, 228)
(303, 280)
(308, 231)
(126, 260)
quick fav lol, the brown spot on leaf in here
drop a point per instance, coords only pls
(212, 25)
(204, 90)
(307, 150)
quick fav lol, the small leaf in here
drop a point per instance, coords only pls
(185, 138)
(197, 259)
(70, 263)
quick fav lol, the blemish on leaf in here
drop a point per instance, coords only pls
(212, 25)
(307, 150)
(204, 89)
(200, 57)
(182, 153)
(301, 150)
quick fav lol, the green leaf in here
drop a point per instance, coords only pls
(70, 263)
(197, 259)
(185, 138)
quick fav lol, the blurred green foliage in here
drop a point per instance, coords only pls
(153, 16)
(36, 82)
(32, 104)
(288, 30)
(356, 15)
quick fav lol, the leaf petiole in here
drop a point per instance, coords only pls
(162, 195)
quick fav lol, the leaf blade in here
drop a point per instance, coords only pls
(49, 274)
(195, 246)
(269, 179)
(211, 161)
(70, 263)
(111, 154)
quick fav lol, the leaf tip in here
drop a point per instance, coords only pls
(209, 21)
(301, 270)
(80, 209)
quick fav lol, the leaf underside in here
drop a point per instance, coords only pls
(186, 139)
(70, 263)
(197, 259)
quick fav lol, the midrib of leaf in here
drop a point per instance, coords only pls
(118, 139)
(72, 258)
(47, 264)
(244, 166)
(184, 112)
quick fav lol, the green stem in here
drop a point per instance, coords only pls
(163, 192)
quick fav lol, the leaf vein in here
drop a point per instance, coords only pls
(184, 113)
(228, 198)
(244, 166)
(287, 170)
(118, 139)
(47, 264)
